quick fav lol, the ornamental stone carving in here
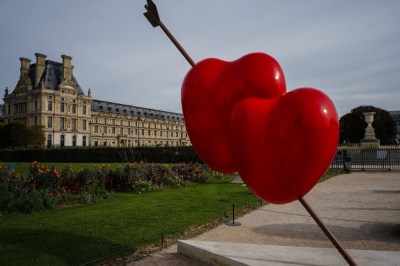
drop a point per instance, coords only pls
(369, 138)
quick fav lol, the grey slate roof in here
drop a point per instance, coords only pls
(123, 109)
(52, 76)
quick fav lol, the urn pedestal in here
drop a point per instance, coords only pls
(369, 138)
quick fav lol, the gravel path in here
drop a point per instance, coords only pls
(362, 209)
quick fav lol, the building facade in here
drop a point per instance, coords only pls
(396, 118)
(48, 94)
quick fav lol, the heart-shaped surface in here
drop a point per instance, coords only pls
(283, 146)
(209, 91)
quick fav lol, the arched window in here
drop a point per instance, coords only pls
(84, 141)
(74, 140)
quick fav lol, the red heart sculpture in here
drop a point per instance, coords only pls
(209, 91)
(283, 146)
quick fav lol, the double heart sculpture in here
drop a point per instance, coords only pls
(240, 118)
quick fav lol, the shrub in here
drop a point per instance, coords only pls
(44, 177)
(141, 186)
(106, 177)
(174, 181)
(69, 181)
(12, 185)
(104, 155)
(87, 179)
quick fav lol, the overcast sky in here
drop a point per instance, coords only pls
(348, 49)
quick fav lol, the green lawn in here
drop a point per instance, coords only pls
(83, 234)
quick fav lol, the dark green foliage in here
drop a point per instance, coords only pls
(103, 155)
(36, 136)
(352, 125)
(19, 135)
(14, 134)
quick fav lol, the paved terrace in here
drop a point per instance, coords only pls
(362, 209)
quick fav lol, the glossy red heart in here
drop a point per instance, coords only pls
(209, 91)
(283, 146)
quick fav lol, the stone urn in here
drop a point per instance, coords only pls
(369, 138)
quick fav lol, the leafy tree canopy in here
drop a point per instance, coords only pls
(19, 135)
(352, 125)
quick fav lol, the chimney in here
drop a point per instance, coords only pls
(67, 67)
(40, 67)
(24, 70)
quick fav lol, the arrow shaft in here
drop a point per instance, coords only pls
(327, 232)
(177, 44)
(172, 38)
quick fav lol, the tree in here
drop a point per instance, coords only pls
(19, 135)
(352, 125)
(14, 135)
(36, 136)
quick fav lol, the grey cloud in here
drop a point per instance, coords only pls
(347, 49)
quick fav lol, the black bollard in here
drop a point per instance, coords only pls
(233, 223)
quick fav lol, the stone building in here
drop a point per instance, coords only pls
(396, 118)
(1, 114)
(48, 94)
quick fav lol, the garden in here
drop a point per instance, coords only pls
(45, 187)
(74, 214)
(52, 215)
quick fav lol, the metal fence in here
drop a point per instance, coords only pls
(367, 158)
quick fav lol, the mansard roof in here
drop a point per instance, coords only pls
(52, 76)
(124, 109)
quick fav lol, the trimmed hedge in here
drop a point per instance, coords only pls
(104, 155)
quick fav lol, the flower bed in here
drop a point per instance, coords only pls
(45, 187)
